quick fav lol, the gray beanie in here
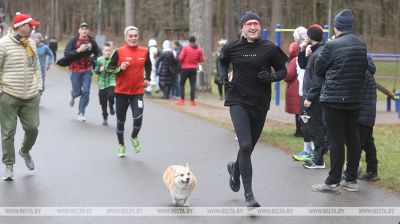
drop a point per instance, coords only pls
(344, 20)
(37, 35)
(249, 15)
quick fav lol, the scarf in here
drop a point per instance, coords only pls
(25, 42)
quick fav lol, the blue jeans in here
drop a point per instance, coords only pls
(81, 87)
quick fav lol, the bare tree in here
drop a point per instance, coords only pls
(200, 25)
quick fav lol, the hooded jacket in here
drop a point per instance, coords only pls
(292, 105)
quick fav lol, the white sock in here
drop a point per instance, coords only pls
(312, 146)
(307, 147)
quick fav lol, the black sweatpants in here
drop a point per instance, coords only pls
(106, 95)
(368, 145)
(314, 130)
(135, 102)
(342, 128)
(248, 124)
(188, 73)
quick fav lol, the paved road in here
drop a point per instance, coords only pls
(76, 166)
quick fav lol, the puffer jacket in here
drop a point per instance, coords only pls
(167, 70)
(368, 105)
(17, 77)
(292, 103)
(343, 63)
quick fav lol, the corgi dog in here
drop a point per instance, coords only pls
(180, 182)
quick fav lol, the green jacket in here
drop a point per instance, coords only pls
(106, 78)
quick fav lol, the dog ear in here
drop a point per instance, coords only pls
(187, 166)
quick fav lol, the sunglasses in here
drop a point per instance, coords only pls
(252, 23)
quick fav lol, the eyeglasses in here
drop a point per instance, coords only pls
(252, 23)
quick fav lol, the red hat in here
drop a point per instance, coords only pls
(21, 19)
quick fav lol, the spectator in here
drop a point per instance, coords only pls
(21, 86)
(190, 57)
(342, 63)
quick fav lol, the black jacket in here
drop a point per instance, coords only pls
(311, 82)
(247, 60)
(343, 63)
(368, 105)
(70, 53)
(167, 69)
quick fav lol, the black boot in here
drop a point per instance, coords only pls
(234, 181)
(251, 201)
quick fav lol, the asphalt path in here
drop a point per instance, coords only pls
(77, 166)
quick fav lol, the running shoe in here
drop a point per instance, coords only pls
(136, 144)
(28, 159)
(349, 185)
(180, 102)
(303, 156)
(121, 150)
(312, 165)
(334, 188)
(234, 182)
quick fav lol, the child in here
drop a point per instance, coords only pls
(106, 82)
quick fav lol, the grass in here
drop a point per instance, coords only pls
(387, 142)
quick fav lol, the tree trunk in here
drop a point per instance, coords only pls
(277, 10)
(128, 13)
(230, 29)
(200, 26)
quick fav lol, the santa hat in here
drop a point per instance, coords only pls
(21, 19)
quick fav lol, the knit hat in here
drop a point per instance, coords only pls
(21, 19)
(300, 33)
(37, 35)
(315, 32)
(249, 15)
(344, 20)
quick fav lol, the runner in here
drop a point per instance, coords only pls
(129, 63)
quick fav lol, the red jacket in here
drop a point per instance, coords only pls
(131, 80)
(292, 89)
(190, 57)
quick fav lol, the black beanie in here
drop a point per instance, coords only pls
(315, 33)
(249, 15)
(344, 20)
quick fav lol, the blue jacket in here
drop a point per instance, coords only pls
(43, 52)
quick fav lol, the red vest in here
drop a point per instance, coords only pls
(131, 80)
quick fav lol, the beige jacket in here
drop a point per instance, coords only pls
(17, 77)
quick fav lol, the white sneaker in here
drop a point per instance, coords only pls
(28, 159)
(81, 117)
(8, 173)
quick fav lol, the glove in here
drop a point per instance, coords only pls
(228, 85)
(265, 76)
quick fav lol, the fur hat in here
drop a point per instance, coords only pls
(344, 20)
(300, 33)
(21, 19)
